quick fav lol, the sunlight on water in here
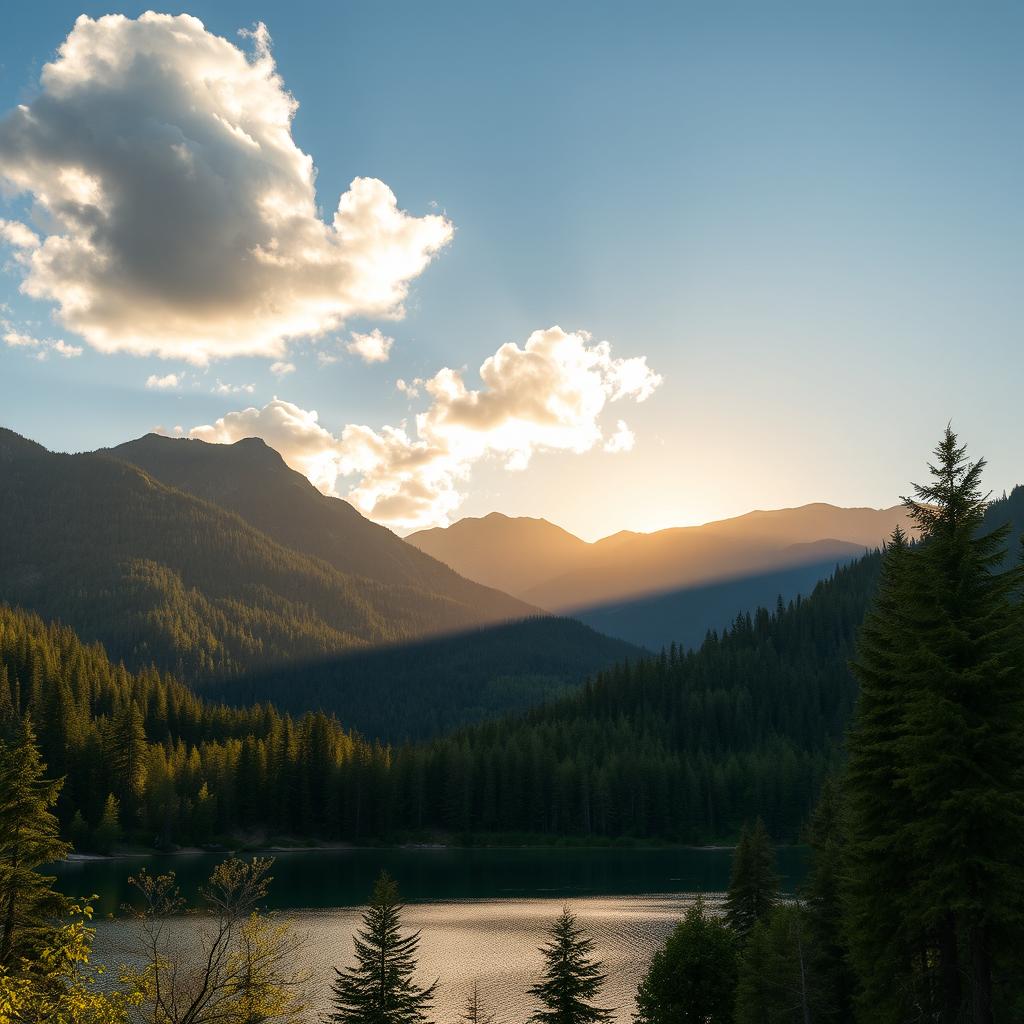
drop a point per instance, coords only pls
(494, 942)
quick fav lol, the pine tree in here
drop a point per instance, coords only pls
(754, 885)
(127, 756)
(936, 774)
(832, 979)
(887, 958)
(380, 988)
(29, 837)
(108, 831)
(572, 978)
(692, 978)
(475, 1012)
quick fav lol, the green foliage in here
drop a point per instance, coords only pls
(572, 977)
(380, 988)
(754, 885)
(774, 984)
(692, 978)
(108, 831)
(29, 837)
(935, 785)
(59, 985)
(832, 977)
(419, 690)
(238, 966)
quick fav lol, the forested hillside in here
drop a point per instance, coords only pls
(423, 689)
(677, 746)
(673, 747)
(252, 480)
(162, 577)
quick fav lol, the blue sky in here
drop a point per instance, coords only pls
(806, 218)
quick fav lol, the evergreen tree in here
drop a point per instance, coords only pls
(380, 989)
(127, 758)
(475, 1012)
(572, 978)
(108, 831)
(832, 978)
(754, 885)
(29, 837)
(774, 983)
(887, 958)
(692, 978)
(936, 776)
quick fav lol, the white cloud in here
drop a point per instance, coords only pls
(15, 339)
(62, 348)
(325, 358)
(18, 235)
(42, 347)
(292, 431)
(220, 388)
(622, 440)
(371, 348)
(548, 395)
(170, 380)
(409, 388)
(282, 369)
(181, 216)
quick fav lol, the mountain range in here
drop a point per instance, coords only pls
(160, 564)
(671, 585)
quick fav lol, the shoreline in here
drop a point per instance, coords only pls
(242, 849)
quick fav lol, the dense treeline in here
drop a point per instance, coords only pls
(416, 691)
(675, 747)
(679, 746)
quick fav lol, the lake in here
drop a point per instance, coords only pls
(482, 913)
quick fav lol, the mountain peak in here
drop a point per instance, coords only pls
(14, 446)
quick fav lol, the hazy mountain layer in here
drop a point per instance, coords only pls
(549, 567)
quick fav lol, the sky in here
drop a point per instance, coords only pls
(619, 266)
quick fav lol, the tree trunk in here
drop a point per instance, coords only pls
(951, 997)
(981, 975)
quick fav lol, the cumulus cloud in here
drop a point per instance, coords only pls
(62, 348)
(165, 383)
(41, 347)
(180, 216)
(548, 395)
(294, 432)
(282, 369)
(15, 339)
(17, 235)
(371, 348)
(622, 440)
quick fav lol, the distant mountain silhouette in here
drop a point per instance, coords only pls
(547, 566)
(518, 552)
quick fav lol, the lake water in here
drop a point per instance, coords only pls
(482, 913)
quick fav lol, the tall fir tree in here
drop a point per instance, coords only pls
(754, 884)
(936, 773)
(832, 979)
(572, 977)
(29, 838)
(380, 988)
